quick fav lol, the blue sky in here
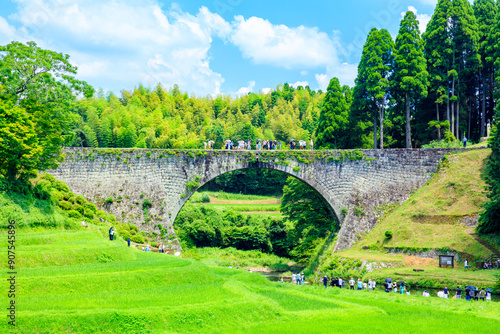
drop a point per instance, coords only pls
(206, 47)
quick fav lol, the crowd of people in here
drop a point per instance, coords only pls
(260, 145)
(471, 292)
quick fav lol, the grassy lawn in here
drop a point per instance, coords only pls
(429, 218)
(121, 290)
(244, 207)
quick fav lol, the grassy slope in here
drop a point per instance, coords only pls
(255, 205)
(140, 292)
(428, 219)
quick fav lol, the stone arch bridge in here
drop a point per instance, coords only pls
(355, 184)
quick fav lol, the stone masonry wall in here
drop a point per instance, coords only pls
(347, 180)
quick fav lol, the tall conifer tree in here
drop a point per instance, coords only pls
(333, 120)
(410, 69)
(486, 16)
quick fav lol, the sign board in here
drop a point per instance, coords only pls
(446, 260)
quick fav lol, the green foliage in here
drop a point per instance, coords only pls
(90, 207)
(388, 234)
(205, 198)
(37, 86)
(80, 199)
(64, 205)
(79, 208)
(443, 144)
(310, 216)
(296, 169)
(137, 239)
(109, 200)
(489, 219)
(147, 204)
(333, 120)
(74, 214)
(410, 70)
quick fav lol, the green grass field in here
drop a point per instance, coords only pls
(110, 288)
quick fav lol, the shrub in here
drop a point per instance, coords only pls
(90, 207)
(61, 186)
(109, 200)
(48, 177)
(72, 200)
(64, 205)
(137, 238)
(78, 207)
(205, 198)
(133, 228)
(80, 199)
(74, 214)
(146, 204)
(88, 213)
(125, 234)
(344, 211)
(110, 218)
(388, 234)
(56, 195)
(42, 189)
(101, 214)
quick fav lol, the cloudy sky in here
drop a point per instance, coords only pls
(206, 47)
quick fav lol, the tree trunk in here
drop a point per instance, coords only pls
(381, 115)
(483, 107)
(453, 107)
(437, 118)
(375, 130)
(408, 129)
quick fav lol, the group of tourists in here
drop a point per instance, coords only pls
(260, 145)
(390, 286)
(492, 264)
(298, 279)
(352, 284)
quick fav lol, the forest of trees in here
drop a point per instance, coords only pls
(439, 85)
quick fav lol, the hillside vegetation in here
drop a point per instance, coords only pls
(432, 217)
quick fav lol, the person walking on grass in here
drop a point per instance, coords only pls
(445, 291)
(325, 281)
(128, 241)
(298, 279)
(459, 293)
(294, 278)
(351, 283)
(466, 264)
(402, 288)
(302, 278)
(340, 282)
(360, 284)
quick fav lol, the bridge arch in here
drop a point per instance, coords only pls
(369, 179)
(332, 206)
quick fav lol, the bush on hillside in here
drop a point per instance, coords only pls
(80, 199)
(79, 208)
(205, 198)
(388, 234)
(90, 207)
(74, 214)
(64, 205)
(88, 213)
(61, 186)
(137, 239)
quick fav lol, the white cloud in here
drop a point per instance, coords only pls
(423, 19)
(118, 44)
(281, 46)
(346, 73)
(300, 83)
(128, 42)
(246, 90)
(266, 90)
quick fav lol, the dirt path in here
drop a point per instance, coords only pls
(481, 241)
